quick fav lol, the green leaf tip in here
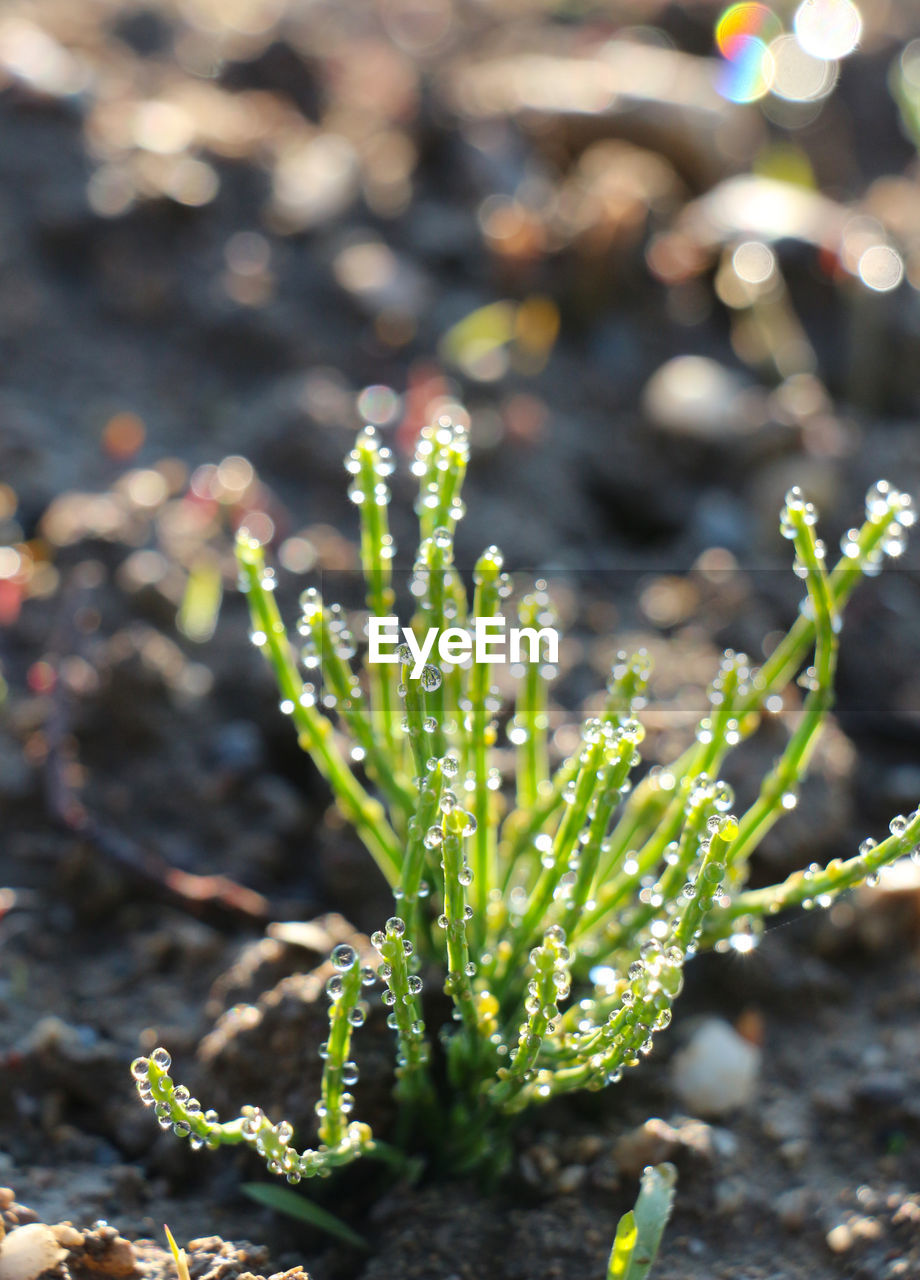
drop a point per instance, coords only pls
(639, 1232)
(292, 1205)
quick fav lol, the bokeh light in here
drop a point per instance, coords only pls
(743, 36)
(828, 28)
(754, 262)
(880, 268)
(799, 76)
(379, 405)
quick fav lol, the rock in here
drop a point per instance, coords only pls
(730, 1195)
(794, 1152)
(717, 1071)
(784, 1119)
(650, 1143)
(839, 1238)
(571, 1179)
(102, 1252)
(702, 400)
(67, 1236)
(29, 1251)
(887, 914)
(793, 1206)
(658, 1140)
(882, 1090)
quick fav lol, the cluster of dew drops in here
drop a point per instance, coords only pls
(446, 435)
(140, 1070)
(383, 466)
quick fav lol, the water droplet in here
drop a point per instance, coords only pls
(430, 678)
(343, 957)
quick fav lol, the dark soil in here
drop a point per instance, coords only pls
(138, 330)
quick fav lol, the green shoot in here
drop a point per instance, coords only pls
(559, 903)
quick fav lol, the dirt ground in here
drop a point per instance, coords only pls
(218, 225)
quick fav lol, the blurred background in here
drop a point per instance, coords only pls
(670, 251)
(667, 258)
(666, 255)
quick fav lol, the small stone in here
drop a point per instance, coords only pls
(724, 1142)
(784, 1119)
(650, 1143)
(793, 1207)
(571, 1179)
(697, 398)
(840, 1238)
(658, 1140)
(29, 1251)
(67, 1236)
(881, 1089)
(794, 1152)
(586, 1148)
(831, 1098)
(730, 1195)
(717, 1071)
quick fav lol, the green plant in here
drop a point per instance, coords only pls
(639, 1231)
(579, 881)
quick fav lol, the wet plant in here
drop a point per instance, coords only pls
(557, 909)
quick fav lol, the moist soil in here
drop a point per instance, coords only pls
(137, 765)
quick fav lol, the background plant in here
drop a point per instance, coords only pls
(559, 918)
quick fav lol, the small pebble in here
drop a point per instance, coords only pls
(794, 1152)
(840, 1238)
(717, 1071)
(793, 1206)
(571, 1179)
(784, 1119)
(730, 1195)
(28, 1251)
(698, 398)
(650, 1143)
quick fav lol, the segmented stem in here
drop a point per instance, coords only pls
(314, 730)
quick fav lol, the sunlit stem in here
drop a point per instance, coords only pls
(458, 984)
(314, 730)
(413, 1081)
(414, 704)
(344, 685)
(376, 563)
(564, 844)
(788, 771)
(815, 885)
(481, 738)
(334, 1118)
(772, 677)
(426, 816)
